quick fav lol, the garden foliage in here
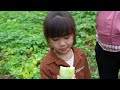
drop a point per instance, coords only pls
(23, 46)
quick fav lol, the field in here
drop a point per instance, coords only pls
(23, 46)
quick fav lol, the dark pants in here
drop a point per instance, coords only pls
(108, 63)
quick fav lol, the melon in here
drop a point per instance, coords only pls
(66, 72)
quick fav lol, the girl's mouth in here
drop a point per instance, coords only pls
(63, 49)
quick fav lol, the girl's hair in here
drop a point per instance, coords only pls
(58, 24)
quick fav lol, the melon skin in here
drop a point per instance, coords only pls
(66, 72)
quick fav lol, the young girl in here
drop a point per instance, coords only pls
(60, 33)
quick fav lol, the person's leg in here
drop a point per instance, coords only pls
(117, 56)
(107, 63)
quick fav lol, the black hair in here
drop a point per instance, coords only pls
(58, 24)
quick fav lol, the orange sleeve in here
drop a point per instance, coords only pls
(44, 72)
(87, 70)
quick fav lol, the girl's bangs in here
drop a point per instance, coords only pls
(60, 27)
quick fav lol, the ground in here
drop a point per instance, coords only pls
(2, 76)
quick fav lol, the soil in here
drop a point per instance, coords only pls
(2, 76)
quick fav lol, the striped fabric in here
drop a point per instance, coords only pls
(106, 47)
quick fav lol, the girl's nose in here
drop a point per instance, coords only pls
(61, 43)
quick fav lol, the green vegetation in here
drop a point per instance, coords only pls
(23, 46)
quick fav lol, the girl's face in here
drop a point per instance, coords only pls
(62, 45)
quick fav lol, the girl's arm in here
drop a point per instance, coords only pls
(86, 70)
(44, 73)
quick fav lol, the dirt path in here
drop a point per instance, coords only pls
(2, 76)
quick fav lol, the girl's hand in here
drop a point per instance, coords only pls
(74, 77)
(58, 77)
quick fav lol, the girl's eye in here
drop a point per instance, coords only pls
(54, 39)
(67, 37)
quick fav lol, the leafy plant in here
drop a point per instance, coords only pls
(23, 46)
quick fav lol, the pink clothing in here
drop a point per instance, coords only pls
(108, 30)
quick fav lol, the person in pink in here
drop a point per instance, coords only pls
(107, 49)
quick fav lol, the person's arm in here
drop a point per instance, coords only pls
(44, 73)
(86, 68)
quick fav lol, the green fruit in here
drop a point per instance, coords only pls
(66, 72)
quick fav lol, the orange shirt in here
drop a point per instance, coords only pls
(50, 66)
